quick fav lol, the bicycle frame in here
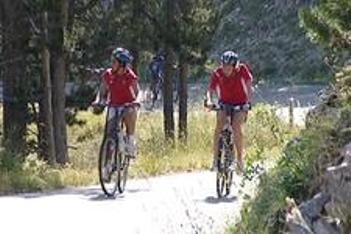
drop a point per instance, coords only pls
(115, 119)
(226, 136)
(227, 132)
(225, 148)
(118, 160)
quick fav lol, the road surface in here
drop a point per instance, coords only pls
(182, 203)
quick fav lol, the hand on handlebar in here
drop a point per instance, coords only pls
(209, 105)
(98, 106)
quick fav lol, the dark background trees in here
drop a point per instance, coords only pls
(45, 43)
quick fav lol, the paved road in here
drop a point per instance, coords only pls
(182, 203)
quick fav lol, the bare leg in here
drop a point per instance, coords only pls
(219, 126)
(130, 119)
(238, 120)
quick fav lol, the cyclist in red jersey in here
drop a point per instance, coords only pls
(232, 81)
(119, 87)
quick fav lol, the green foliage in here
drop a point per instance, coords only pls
(82, 97)
(265, 131)
(343, 85)
(293, 176)
(28, 175)
(197, 22)
(300, 168)
(329, 23)
(141, 27)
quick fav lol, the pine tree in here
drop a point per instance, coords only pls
(328, 23)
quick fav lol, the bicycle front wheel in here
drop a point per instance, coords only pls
(107, 167)
(228, 182)
(220, 178)
(220, 184)
(122, 171)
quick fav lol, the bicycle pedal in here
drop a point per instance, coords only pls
(130, 156)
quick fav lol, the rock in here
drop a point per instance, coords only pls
(295, 220)
(328, 95)
(338, 187)
(307, 219)
(311, 209)
(335, 199)
(344, 127)
(346, 153)
(326, 225)
(321, 113)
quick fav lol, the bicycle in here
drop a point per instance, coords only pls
(224, 176)
(113, 160)
(154, 91)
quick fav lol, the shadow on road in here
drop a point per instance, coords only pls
(102, 197)
(216, 200)
(90, 193)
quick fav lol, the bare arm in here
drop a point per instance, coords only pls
(212, 88)
(209, 94)
(137, 92)
(248, 82)
(249, 89)
(102, 93)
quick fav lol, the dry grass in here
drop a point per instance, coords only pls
(265, 132)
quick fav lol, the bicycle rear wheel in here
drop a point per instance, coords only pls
(148, 101)
(228, 158)
(220, 178)
(107, 167)
(122, 171)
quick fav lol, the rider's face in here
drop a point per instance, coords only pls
(115, 65)
(228, 69)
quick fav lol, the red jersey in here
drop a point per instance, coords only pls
(120, 87)
(231, 89)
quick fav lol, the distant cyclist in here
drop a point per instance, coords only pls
(232, 81)
(156, 73)
(119, 87)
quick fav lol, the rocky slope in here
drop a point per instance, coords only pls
(329, 210)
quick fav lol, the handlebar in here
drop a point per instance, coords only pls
(104, 104)
(228, 107)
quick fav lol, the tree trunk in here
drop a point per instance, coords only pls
(183, 100)
(46, 127)
(168, 108)
(58, 91)
(57, 23)
(42, 146)
(15, 92)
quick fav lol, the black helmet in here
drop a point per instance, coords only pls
(229, 57)
(122, 55)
